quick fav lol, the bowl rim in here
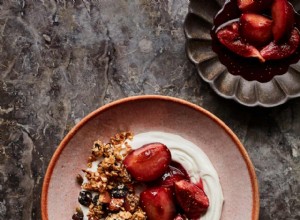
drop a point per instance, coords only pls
(93, 114)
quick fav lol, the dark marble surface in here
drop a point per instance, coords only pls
(60, 60)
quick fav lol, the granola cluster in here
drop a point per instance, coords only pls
(113, 196)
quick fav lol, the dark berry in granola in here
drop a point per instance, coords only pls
(85, 198)
(120, 191)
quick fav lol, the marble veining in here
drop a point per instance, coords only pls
(61, 59)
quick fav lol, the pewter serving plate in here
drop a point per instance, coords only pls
(197, 27)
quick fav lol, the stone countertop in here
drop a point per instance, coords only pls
(62, 59)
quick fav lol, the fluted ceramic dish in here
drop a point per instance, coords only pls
(153, 113)
(197, 26)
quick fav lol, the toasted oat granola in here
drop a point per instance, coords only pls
(112, 186)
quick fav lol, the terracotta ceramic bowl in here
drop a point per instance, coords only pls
(153, 113)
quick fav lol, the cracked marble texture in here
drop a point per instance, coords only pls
(61, 59)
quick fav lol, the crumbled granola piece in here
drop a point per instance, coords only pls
(139, 214)
(104, 197)
(115, 204)
(121, 138)
(131, 202)
(97, 149)
(115, 199)
(123, 215)
(96, 212)
(95, 181)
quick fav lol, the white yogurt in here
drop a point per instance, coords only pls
(194, 161)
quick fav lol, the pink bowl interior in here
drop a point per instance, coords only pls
(143, 115)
